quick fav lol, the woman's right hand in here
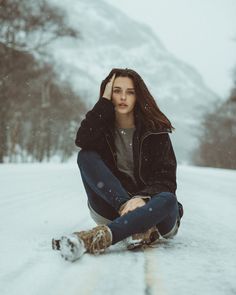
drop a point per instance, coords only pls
(108, 89)
(131, 205)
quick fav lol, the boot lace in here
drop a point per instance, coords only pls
(99, 242)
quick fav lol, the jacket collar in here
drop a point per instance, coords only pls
(141, 129)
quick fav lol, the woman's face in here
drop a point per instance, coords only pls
(123, 95)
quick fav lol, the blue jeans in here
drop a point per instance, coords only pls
(106, 194)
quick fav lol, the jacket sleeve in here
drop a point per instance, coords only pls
(164, 178)
(90, 132)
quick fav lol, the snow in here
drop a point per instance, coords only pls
(100, 184)
(42, 201)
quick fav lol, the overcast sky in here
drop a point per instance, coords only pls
(199, 32)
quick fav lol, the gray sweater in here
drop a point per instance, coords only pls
(124, 150)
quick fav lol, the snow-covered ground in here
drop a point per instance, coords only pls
(41, 201)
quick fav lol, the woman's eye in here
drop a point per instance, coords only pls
(129, 92)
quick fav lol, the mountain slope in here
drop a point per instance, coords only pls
(108, 39)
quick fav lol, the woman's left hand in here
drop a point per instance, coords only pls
(132, 204)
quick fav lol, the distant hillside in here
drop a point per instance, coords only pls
(109, 38)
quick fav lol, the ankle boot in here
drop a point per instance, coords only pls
(93, 241)
(143, 239)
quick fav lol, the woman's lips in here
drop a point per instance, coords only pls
(122, 106)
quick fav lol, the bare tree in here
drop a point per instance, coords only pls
(27, 106)
(218, 141)
(30, 25)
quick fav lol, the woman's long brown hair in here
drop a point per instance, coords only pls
(146, 107)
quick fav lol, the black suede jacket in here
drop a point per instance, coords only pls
(153, 155)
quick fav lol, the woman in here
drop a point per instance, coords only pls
(128, 168)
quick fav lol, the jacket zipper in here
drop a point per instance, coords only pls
(139, 164)
(111, 152)
(139, 170)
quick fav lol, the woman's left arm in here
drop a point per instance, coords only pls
(164, 176)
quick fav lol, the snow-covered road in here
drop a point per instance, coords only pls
(41, 201)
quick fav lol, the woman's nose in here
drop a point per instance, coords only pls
(123, 95)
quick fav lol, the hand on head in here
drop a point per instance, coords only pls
(108, 89)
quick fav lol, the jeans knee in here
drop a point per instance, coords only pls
(170, 198)
(85, 155)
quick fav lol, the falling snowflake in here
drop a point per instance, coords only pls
(100, 184)
(123, 132)
(126, 221)
(150, 209)
(146, 106)
(90, 128)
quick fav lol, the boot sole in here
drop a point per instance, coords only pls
(71, 247)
